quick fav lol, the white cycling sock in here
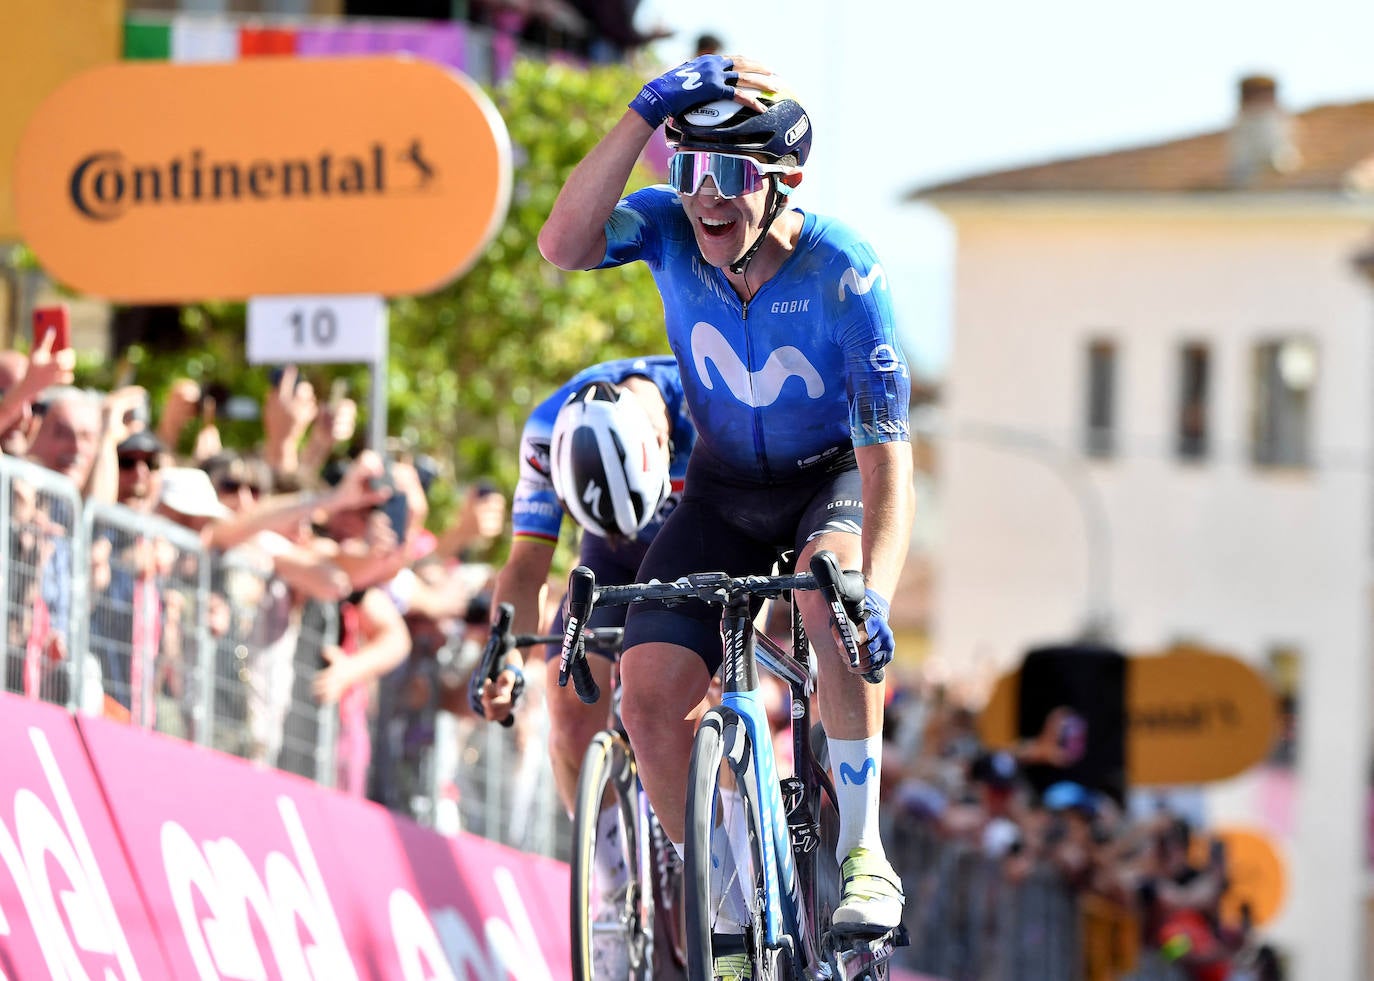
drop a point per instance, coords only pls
(856, 765)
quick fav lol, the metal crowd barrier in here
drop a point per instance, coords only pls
(42, 604)
(967, 921)
(111, 612)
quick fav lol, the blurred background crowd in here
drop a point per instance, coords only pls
(325, 597)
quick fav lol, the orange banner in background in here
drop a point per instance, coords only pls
(1191, 715)
(156, 182)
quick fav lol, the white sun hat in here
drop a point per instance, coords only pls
(188, 491)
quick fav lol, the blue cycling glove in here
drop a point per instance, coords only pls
(881, 644)
(692, 83)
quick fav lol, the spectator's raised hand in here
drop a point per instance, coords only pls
(361, 486)
(287, 413)
(47, 368)
(290, 407)
(335, 424)
(121, 408)
(183, 397)
(208, 441)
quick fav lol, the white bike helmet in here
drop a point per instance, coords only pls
(608, 469)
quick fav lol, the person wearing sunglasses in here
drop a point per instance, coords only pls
(782, 325)
(140, 463)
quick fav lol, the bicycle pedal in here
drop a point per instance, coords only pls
(859, 941)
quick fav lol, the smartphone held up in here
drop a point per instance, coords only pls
(54, 320)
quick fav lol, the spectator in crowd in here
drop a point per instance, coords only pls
(69, 433)
(22, 379)
(267, 577)
(123, 575)
(368, 541)
(187, 499)
(140, 457)
(67, 440)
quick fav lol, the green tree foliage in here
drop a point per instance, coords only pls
(468, 362)
(474, 358)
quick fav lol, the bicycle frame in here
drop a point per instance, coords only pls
(789, 909)
(790, 901)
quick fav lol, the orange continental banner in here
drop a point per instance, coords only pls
(1192, 715)
(160, 182)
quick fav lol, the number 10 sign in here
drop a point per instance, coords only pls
(316, 329)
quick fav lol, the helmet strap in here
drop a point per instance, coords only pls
(773, 207)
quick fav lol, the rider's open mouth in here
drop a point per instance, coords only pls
(716, 227)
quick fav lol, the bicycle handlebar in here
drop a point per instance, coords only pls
(843, 591)
(500, 642)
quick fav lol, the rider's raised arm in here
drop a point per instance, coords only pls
(574, 234)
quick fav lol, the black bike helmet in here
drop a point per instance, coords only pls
(781, 131)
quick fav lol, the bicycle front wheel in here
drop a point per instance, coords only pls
(725, 914)
(611, 903)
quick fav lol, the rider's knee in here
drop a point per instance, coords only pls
(658, 683)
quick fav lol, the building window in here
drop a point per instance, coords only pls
(1100, 429)
(1194, 381)
(1285, 376)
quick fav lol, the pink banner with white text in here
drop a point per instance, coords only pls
(69, 906)
(132, 855)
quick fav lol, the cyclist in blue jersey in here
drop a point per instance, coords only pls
(609, 448)
(782, 326)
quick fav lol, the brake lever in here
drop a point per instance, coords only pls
(573, 661)
(844, 593)
(493, 662)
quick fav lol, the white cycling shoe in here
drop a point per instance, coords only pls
(873, 899)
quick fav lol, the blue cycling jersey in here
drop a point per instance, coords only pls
(806, 369)
(536, 511)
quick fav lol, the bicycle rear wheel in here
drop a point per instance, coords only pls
(612, 936)
(722, 738)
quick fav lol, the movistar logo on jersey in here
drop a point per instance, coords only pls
(855, 777)
(755, 389)
(859, 284)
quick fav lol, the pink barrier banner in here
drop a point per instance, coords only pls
(69, 904)
(258, 874)
(492, 912)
